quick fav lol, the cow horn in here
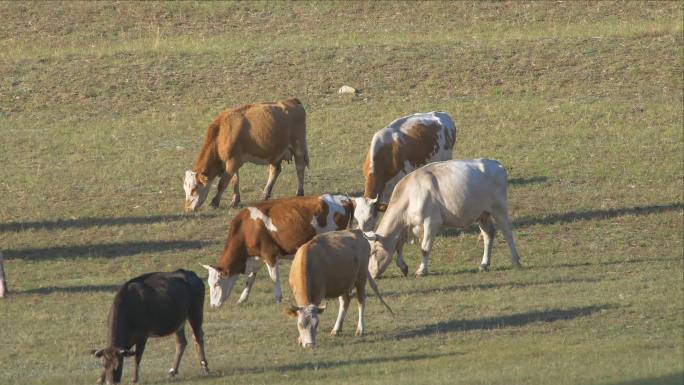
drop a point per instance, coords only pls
(370, 235)
(208, 267)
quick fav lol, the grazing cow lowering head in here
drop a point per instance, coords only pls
(380, 257)
(196, 188)
(307, 323)
(112, 363)
(220, 285)
(366, 212)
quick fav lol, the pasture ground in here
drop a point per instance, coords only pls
(104, 105)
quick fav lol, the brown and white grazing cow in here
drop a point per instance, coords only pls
(263, 133)
(403, 146)
(153, 305)
(271, 230)
(454, 193)
(328, 266)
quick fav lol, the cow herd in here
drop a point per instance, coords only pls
(409, 176)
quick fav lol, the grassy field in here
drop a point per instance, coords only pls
(104, 105)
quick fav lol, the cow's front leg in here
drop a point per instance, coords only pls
(139, 349)
(273, 172)
(400, 258)
(251, 268)
(222, 185)
(430, 228)
(275, 276)
(236, 190)
(181, 343)
(341, 314)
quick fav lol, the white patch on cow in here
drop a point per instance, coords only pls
(255, 214)
(334, 203)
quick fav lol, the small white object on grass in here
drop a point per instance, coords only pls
(346, 90)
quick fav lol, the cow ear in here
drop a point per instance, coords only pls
(97, 353)
(202, 179)
(382, 207)
(291, 311)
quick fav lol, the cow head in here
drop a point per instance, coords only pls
(366, 212)
(380, 257)
(307, 323)
(220, 285)
(112, 363)
(196, 186)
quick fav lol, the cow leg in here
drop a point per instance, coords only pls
(344, 306)
(236, 190)
(361, 297)
(501, 218)
(275, 276)
(273, 172)
(300, 164)
(195, 319)
(430, 227)
(222, 184)
(139, 349)
(181, 343)
(251, 268)
(488, 232)
(400, 258)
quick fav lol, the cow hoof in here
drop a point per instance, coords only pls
(172, 372)
(300, 193)
(484, 267)
(421, 273)
(335, 333)
(358, 333)
(404, 270)
(279, 299)
(234, 204)
(517, 265)
(214, 204)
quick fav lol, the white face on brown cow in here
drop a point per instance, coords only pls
(307, 323)
(196, 190)
(220, 285)
(365, 213)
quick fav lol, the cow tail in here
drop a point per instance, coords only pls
(374, 286)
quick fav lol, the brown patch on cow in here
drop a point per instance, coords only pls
(421, 142)
(323, 216)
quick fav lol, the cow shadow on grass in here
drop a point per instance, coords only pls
(512, 320)
(574, 216)
(80, 223)
(530, 180)
(70, 289)
(668, 379)
(102, 250)
(489, 286)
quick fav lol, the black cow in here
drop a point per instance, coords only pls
(153, 305)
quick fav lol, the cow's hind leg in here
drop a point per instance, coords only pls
(341, 314)
(236, 190)
(181, 343)
(273, 172)
(501, 218)
(139, 349)
(222, 184)
(301, 161)
(251, 268)
(195, 319)
(488, 232)
(274, 272)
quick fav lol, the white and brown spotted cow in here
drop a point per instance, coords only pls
(271, 230)
(261, 133)
(403, 146)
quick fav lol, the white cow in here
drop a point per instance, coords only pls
(454, 193)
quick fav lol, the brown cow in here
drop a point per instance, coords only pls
(328, 266)
(403, 146)
(263, 133)
(271, 230)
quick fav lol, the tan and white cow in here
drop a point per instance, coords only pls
(269, 231)
(262, 133)
(328, 266)
(454, 193)
(403, 146)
